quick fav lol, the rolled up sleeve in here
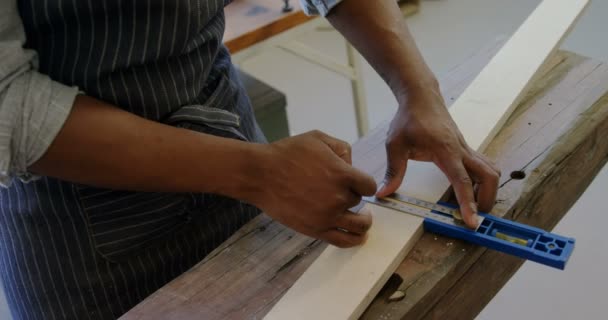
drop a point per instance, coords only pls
(33, 107)
(318, 7)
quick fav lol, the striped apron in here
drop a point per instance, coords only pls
(70, 251)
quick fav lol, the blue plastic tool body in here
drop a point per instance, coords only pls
(540, 246)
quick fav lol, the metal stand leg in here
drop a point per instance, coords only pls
(359, 99)
(351, 70)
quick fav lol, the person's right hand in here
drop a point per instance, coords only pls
(309, 185)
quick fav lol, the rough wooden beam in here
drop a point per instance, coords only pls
(583, 150)
(554, 139)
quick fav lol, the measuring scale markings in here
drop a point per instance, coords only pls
(420, 208)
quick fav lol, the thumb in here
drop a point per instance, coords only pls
(397, 158)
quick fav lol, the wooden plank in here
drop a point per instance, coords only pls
(490, 99)
(389, 238)
(586, 149)
(500, 86)
(249, 22)
(552, 138)
(245, 276)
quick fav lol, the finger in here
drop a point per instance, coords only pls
(463, 188)
(358, 223)
(342, 239)
(359, 182)
(341, 148)
(488, 162)
(396, 166)
(487, 182)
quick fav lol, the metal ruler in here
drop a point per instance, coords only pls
(420, 208)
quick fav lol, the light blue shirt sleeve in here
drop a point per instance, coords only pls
(318, 7)
(33, 108)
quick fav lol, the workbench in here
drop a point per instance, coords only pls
(549, 151)
(250, 22)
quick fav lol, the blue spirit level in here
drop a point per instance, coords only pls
(503, 235)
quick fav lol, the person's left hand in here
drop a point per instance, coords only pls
(423, 130)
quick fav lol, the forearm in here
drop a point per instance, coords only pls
(422, 128)
(379, 32)
(104, 146)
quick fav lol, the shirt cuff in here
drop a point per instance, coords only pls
(37, 108)
(318, 7)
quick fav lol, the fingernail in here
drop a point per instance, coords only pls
(477, 219)
(473, 206)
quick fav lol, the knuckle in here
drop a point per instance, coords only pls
(343, 147)
(465, 179)
(347, 146)
(390, 172)
(317, 133)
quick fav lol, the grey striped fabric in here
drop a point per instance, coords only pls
(71, 251)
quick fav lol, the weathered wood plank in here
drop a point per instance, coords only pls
(579, 152)
(246, 276)
(555, 110)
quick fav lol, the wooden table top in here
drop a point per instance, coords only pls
(251, 21)
(556, 137)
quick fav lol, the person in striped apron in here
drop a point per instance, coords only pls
(129, 151)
